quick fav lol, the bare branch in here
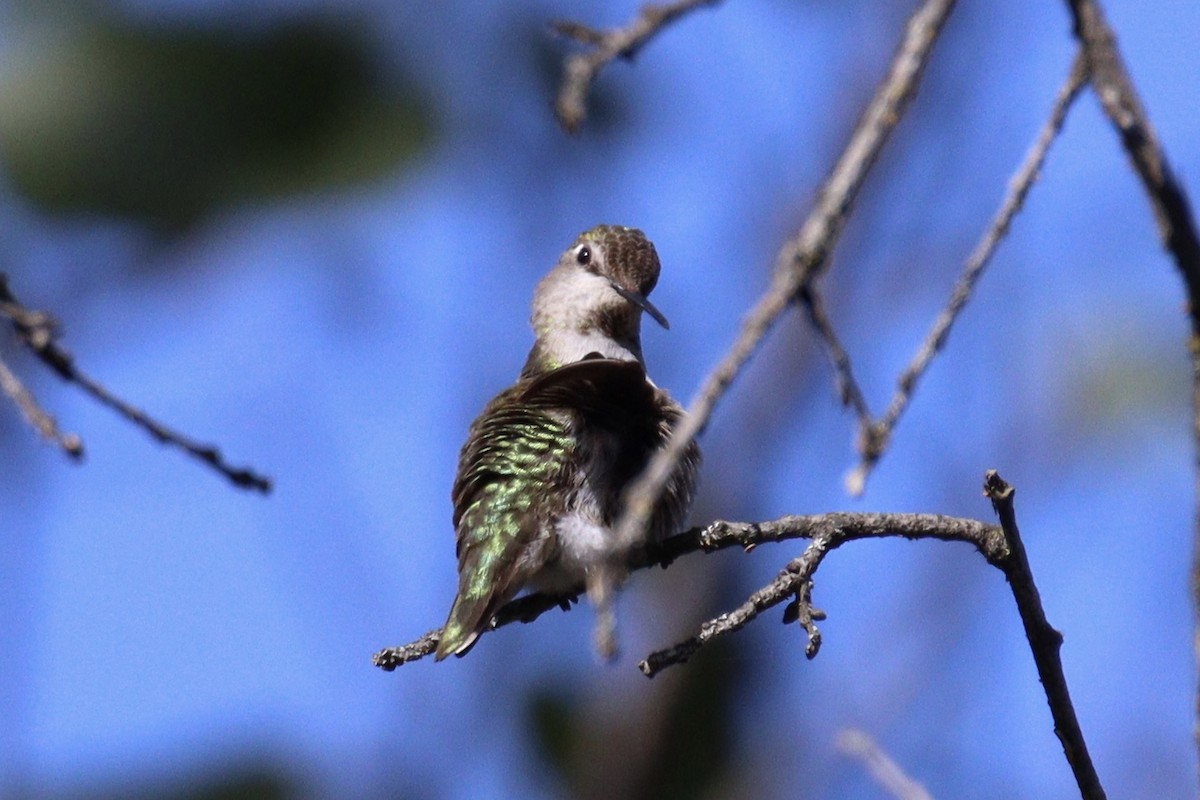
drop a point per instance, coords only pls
(1001, 547)
(886, 772)
(389, 658)
(581, 69)
(827, 532)
(875, 436)
(801, 259)
(524, 609)
(1172, 212)
(803, 613)
(838, 527)
(848, 390)
(1114, 87)
(38, 331)
(1044, 640)
(41, 421)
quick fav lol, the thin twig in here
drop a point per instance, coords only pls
(1194, 355)
(848, 390)
(886, 772)
(524, 609)
(837, 527)
(802, 612)
(874, 436)
(801, 259)
(1044, 640)
(38, 418)
(1172, 212)
(37, 331)
(581, 69)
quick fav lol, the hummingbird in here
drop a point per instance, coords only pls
(542, 474)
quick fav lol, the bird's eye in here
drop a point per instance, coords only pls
(584, 256)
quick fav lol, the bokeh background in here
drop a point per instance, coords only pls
(309, 231)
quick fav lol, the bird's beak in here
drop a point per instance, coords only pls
(643, 303)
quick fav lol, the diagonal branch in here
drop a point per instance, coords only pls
(875, 436)
(886, 772)
(849, 392)
(1172, 212)
(1044, 640)
(581, 69)
(1114, 87)
(37, 416)
(801, 259)
(37, 330)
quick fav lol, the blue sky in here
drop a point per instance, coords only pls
(158, 625)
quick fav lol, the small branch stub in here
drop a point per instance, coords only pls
(801, 610)
(581, 69)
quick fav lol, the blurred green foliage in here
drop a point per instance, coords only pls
(164, 125)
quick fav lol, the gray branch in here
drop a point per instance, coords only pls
(38, 332)
(826, 533)
(800, 260)
(1000, 545)
(875, 435)
(36, 416)
(840, 526)
(1172, 210)
(581, 69)
(886, 772)
(1044, 640)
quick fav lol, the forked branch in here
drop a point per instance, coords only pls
(581, 69)
(874, 435)
(1001, 546)
(38, 332)
(838, 527)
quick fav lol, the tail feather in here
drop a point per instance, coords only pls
(460, 631)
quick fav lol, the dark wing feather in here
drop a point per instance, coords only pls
(592, 387)
(671, 512)
(616, 396)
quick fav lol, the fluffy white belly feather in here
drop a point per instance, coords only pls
(583, 543)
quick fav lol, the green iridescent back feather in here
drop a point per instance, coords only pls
(502, 495)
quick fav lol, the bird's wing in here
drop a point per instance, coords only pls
(513, 459)
(592, 387)
(616, 395)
